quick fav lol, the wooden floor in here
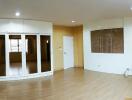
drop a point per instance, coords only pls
(71, 84)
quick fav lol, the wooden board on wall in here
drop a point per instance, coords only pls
(107, 41)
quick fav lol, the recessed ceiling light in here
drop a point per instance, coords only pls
(73, 21)
(130, 8)
(17, 14)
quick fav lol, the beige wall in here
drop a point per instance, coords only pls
(78, 46)
(58, 33)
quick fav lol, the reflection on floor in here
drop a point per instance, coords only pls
(16, 68)
(31, 67)
(45, 67)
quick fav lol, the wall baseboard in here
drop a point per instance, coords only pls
(9, 78)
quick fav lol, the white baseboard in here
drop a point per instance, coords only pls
(9, 78)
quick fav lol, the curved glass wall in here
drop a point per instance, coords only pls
(24, 55)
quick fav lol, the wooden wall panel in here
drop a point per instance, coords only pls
(58, 33)
(78, 46)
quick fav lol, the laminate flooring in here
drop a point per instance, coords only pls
(69, 84)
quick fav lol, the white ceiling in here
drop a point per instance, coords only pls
(62, 12)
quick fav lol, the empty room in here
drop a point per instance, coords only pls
(65, 50)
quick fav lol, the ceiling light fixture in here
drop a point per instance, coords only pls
(17, 14)
(73, 21)
(130, 8)
(47, 41)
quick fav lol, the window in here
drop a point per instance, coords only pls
(107, 41)
(16, 45)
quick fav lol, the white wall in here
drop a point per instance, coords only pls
(25, 26)
(107, 62)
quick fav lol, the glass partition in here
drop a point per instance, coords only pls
(31, 53)
(2, 56)
(15, 55)
(45, 53)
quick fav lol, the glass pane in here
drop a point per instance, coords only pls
(45, 53)
(20, 49)
(31, 53)
(15, 57)
(20, 45)
(14, 42)
(14, 49)
(27, 45)
(2, 56)
(13, 45)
